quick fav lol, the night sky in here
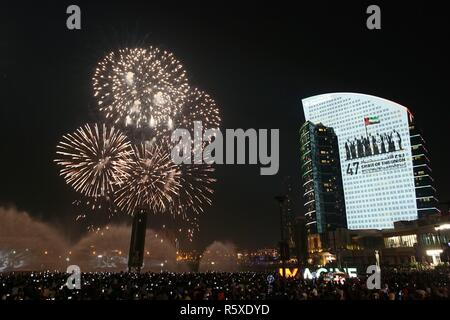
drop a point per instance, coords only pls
(257, 62)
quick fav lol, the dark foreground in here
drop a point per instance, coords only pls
(396, 285)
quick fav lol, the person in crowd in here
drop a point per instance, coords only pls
(397, 284)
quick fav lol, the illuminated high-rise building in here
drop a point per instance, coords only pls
(323, 196)
(426, 200)
(385, 166)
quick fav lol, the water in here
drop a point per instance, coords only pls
(27, 244)
(220, 257)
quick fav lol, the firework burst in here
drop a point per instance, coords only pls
(196, 187)
(199, 106)
(94, 159)
(141, 88)
(152, 182)
(196, 181)
(145, 91)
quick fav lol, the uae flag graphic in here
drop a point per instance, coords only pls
(371, 120)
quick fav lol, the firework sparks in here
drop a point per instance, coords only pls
(102, 209)
(146, 91)
(199, 106)
(196, 181)
(195, 189)
(152, 182)
(141, 88)
(94, 159)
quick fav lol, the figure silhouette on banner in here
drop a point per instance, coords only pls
(373, 145)
(383, 146)
(391, 142)
(352, 149)
(347, 150)
(399, 140)
(360, 148)
(367, 149)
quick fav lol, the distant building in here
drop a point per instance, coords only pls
(425, 241)
(258, 260)
(324, 205)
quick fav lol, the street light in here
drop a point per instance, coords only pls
(281, 199)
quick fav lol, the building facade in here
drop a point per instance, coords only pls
(425, 241)
(384, 163)
(323, 197)
(427, 203)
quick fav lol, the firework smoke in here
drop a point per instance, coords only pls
(107, 250)
(27, 244)
(30, 245)
(220, 257)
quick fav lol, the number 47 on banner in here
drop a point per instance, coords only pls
(352, 168)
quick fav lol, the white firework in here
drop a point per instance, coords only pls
(141, 88)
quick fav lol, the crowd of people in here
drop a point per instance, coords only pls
(395, 285)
